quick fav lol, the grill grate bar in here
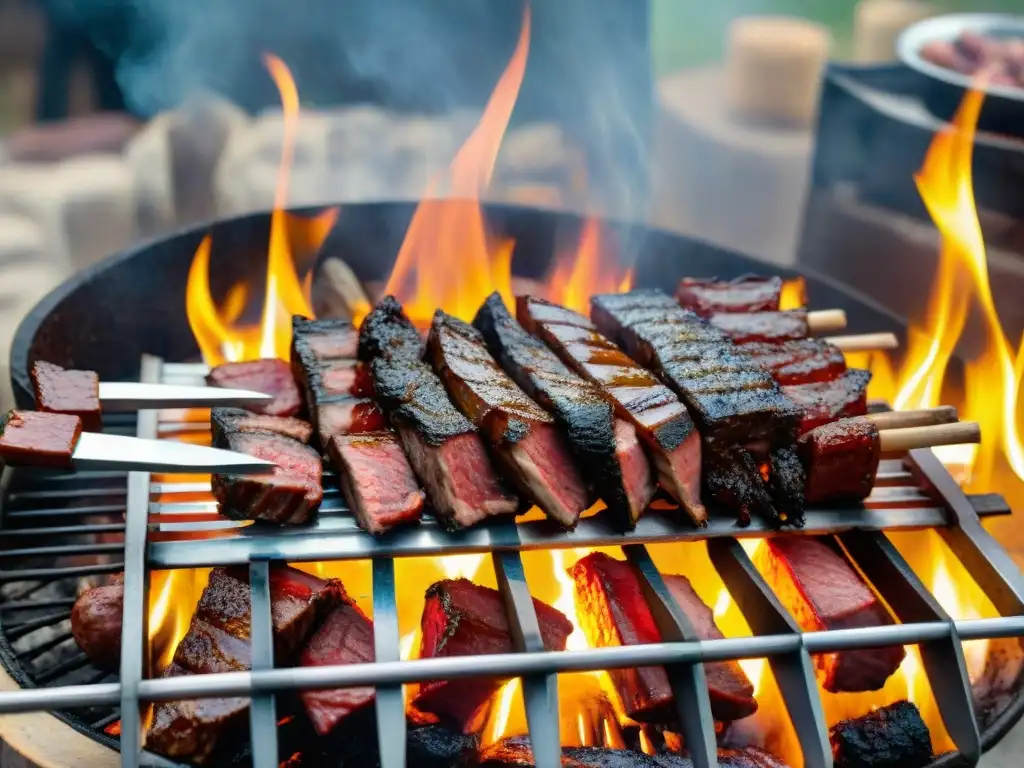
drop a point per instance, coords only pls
(262, 708)
(32, 605)
(65, 493)
(63, 530)
(52, 574)
(99, 509)
(390, 699)
(59, 670)
(15, 631)
(100, 548)
(43, 647)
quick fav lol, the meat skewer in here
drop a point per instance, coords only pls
(863, 342)
(441, 444)
(749, 293)
(526, 443)
(744, 327)
(661, 420)
(606, 447)
(825, 401)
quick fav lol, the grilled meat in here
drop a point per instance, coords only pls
(749, 293)
(607, 451)
(798, 361)
(895, 736)
(288, 495)
(733, 481)
(76, 393)
(272, 377)
(218, 641)
(321, 341)
(96, 625)
(772, 327)
(345, 637)
(44, 439)
(786, 483)
(462, 618)
(526, 443)
(442, 445)
(828, 401)
(225, 421)
(516, 752)
(841, 460)
(660, 419)
(613, 611)
(822, 591)
(347, 416)
(376, 479)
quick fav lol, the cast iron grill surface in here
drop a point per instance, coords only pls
(151, 542)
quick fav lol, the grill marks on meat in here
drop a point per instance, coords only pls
(272, 377)
(772, 327)
(613, 611)
(658, 416)
(749, 293)
(841, 460)
(225, 421)
(218, 640)
(799, 361)
(76, 393)
(823, 592)
(526, 443)
(96, 625)
(442, 445)
(461, 618)
(828, 401)
(290, 494)
(607, 451)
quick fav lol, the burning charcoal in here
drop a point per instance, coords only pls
(828, 401)
(841, 460)
(377, 481)
(746, 327)
(607, 450)
(786, 483)
(613, 611)
(733, 481)
(461, 618)
(44, 439)
(750, 293)
(516, 751)
(96, 625)
(224, 421)
(660, 419)
(433, 746)
(76, 393)
(891, 737)
(218, 641)
(823, 592)
(525, 442)
(272, 377)
(289, 495)
(799, 361)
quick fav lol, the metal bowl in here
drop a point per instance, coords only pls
(1003, 111)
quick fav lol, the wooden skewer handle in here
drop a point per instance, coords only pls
(864, 342)
(826, 320)
(922, 417)
(899, 440)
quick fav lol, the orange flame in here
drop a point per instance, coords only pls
(219, 334)
(448, 258)
(591, 269)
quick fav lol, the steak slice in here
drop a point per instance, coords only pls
(841, 459)
(225, 421)
(387, 332)
(76, 393)
(606, 449)
(822, 591)
(288, 495)
(746, 327)
(321, 341)
(462, 618)
(749, 293)
(346, 637)
(612, 611)
(347, 415)
(828, 401)
(798, 361)
(526, 443)
(377, 481)
(270, 376)
(218, 640)
(661, 420)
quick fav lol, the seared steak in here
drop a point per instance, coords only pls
(225, 421)
(746, 327)
(750, 293)
(826, 401)
(76, 393)
(272, 377)
(841, 460)
(799, 361)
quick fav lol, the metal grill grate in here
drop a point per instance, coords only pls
(161, 534)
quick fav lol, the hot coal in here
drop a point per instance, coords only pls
(218, 641)
(288, 495)
(269, 376)
(461, 618)
(660, 419)
(517, 751)
(895, 736)
(377, 480)
(827, 401)
(733, 482)
(613, 611)
(772, 327)
(96, 625)
(39, 439)
(749, 293)
(798, 361)
(225, 421)
(841, 460)
(607, 451)
(76, 393)
(787, 484)
(525, 441)
(822, 591)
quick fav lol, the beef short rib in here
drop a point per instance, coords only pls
(749, 293)
(826, 401)
(772, 327)
(76, 393)
(270, 376)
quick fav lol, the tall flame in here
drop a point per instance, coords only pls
(591, 269)
(448, 258)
